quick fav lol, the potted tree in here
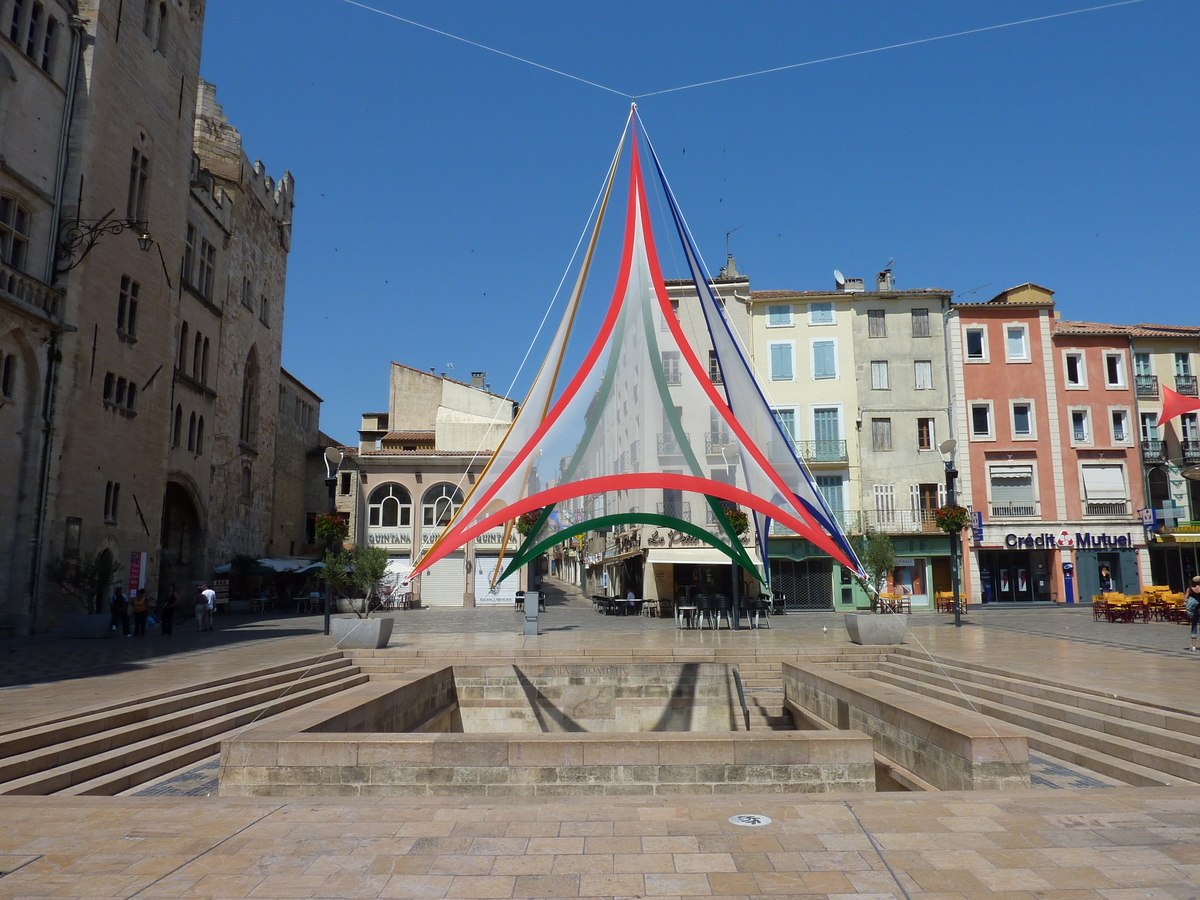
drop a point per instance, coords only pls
(364, 567)
(88, 581)
(878, 557)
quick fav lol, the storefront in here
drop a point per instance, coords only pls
(677, 572)
(1175, 556)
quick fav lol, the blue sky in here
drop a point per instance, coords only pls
(441, 189)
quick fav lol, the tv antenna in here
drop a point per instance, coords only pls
(891, 262)
(727, 234)
(972, 290)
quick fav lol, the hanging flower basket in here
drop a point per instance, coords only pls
(527, 520)
(738, 521)
(952, 519)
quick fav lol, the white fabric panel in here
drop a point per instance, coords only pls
(504, 593)
(1104, 483)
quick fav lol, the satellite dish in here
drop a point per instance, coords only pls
(947, 446)
(333, 459)
(838, 277)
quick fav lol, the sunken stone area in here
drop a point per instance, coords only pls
(509, 731)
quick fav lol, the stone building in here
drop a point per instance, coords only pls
(139, 375)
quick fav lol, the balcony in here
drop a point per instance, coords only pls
(822, 451)
(1191, 452)
(1106, 508)
(676, 509)
(899, 521)
(668, 445)
(1014, 509)
(1146, 386)
(715, 442)
(1186, 385)
(1154, 452)
(27, 291)
(850, 520)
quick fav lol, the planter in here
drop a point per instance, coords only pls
(361, 634)
(872, 628)
(87, 625)
(350, 605)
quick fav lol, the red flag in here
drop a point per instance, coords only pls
(1175, 404)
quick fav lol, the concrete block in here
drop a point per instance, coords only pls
(870, 628)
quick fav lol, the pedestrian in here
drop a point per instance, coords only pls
(118, 607)
(141, 609)
(167, 611)
(210, 606)
(1193, 608)
(201, 605)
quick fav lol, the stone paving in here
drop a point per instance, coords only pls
(1117, 843)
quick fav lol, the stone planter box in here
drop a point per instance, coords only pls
(361, 634)
(872, 628)
(350, 604)
(86, 625)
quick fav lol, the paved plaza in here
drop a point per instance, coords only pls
(1112, 842)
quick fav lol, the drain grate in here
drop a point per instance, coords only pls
(749, 820)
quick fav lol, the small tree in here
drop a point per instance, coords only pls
(369, 565)
(878, 558)
(87, 580)
(337, 572)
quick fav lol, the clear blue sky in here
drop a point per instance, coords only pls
(441, 188)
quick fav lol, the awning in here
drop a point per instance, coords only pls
(1186, 538)
(1104, 483)
(274, 566)
(697, 556)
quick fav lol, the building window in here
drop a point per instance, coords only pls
(920, 323)
(197, 352)
(779, 316)
(1104, 491)
(112, 498)
(1081, 428)
(1075, 369)
(1022, 420)
(664, 323)
(981, 420)
(1149, 426)
(388, 507)
(72, 538)
(191, 444)
(439, 504)
(876, 323)
(879, 375)
(1141, 364)
(49, 43)
(1012, 490)
(189, 253)
(923, 374)
(1189, 425)
(127, 304)
(200, 435)
(247, 293)
(1016, 343)
(885, 503)
(1120, 426)
(786, 417)
(247, 485)
(1183, 364)
(671, 360)
(208, 263)
(204, 363)
(824, 359)
(36, 13)
(1114, 370)
(820, 314)
(831, 488)
(924, 434)
(976, 339)
(139, 178)
(177, 431)
(181, 364)
(248, 429)
(110, 382)
(781, 356)
(344, 486)
(160, 30)
(7, 374)
(264, 309)
(14, 233)
(881, 434)
(714, 368)
(14, 28)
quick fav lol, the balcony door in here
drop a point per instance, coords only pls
(827, 435)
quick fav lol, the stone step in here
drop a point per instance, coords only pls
(122, 767)
(28, 736)
(1046, 733)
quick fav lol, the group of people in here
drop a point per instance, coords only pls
(120, 605)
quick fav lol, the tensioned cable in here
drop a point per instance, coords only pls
(799, 65)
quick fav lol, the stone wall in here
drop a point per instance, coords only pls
(952, 749)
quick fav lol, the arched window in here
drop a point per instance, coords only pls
(8, 377)
(177, 432)
(204, 364)
(200, 436)
(249, 418)
(192, 432)
(389, 507)
(131, 397)
(197, 353)
(183, 347)
(14, 233)
(160, 33)
(246, 483)
(440, 503)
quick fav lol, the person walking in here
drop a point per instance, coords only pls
(118, 607)
(201, 603)
(1192, 605)
(210, 606)
(141, 610)
(167, 610)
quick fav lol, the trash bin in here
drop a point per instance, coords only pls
(531, 612)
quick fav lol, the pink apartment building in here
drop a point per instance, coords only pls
(1047, 451)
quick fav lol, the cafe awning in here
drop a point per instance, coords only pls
(696, 556)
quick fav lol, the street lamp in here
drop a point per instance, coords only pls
(79, 236)
(333, 459)
(946, 449)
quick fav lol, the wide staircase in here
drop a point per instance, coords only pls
(1137, 742)
(763, 685)
(111, 748)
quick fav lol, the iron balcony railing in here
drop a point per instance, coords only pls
(850, 520)
(677, 509)
(1014, 509)
(1191, 452)
(822, 451)
(1186, 385)
(1106, 508)
(668, 445)
(1146, 385)
(715, 442)
(17, 285)
(1154, 451)
(899, 521)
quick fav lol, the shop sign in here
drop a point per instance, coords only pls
(389, 538)
(1082, 540)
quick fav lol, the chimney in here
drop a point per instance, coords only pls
(884, 281)
(477, 380)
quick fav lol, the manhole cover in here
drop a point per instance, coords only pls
(751, 821)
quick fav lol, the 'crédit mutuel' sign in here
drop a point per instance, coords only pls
(1081, 540)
